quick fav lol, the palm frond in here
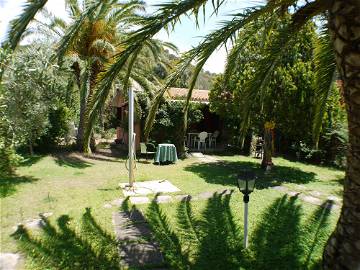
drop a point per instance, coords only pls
(170, 46)
(201, 54)
(73, 7)
(59, 23)
(154, 47)
(150, 118)
(274, 52)
(219, 37)
(97, 101)
(233, 57)
(18, 25)
(167, 16)
(325, 76)
(148, 86)
(168, 13)
(126, 9)
(266, 66)
(72, 32)
(43, 28)
(54, 25)
(54, 21)
(310, 10)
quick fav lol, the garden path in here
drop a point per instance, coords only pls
(137, 247)
(331, 202)
(9, 261)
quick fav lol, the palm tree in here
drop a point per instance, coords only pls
(90, 41)
(342, 19)
(95, 38)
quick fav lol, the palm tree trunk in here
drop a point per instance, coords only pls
(343, 247)
(81, 127)
(80, 135)
(89, 142)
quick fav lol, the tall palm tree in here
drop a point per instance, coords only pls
(95, 36)
(342, 19)
(90, 41)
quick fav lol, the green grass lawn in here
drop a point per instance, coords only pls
(285, 232)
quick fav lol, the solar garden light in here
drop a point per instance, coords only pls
(246, 184)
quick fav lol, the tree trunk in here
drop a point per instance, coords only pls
(80, 135)
(81, 127)
(181, 135)
(31, 147)
(268, 147)
(343, 248)
(89, 143)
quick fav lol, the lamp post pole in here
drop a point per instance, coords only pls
(131, 137)
(246, 184)
(246, 205)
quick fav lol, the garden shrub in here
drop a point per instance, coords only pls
(8, 161)
(169, 119)
(8, 157)
(108, 133)
(57, 128)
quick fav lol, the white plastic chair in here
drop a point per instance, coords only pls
(202, 139)
(144, 151)
(212, 139)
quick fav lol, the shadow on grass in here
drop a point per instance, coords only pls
(145, 161)
(281, 241)
(71, 160)
(30, 160)
(340, 181)
(101, 157)
(8, 184)
(62, 247)
(226, 173)
(114, 150)
(213, 240)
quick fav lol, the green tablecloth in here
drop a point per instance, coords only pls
(166, 153)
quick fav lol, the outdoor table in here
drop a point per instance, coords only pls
(166, 152)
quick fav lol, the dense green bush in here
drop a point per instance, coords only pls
(9, 160)
(8, 157)
(169, 119)
(57, 128)
(34, 91)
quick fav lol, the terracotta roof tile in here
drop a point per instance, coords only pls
(181, 94)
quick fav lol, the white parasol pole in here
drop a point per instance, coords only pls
(131, 137)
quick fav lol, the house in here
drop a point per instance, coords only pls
(122, 107)
(210, 123)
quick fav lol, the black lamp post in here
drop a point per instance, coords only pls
(246, 184)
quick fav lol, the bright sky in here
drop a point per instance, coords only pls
(185, 35)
